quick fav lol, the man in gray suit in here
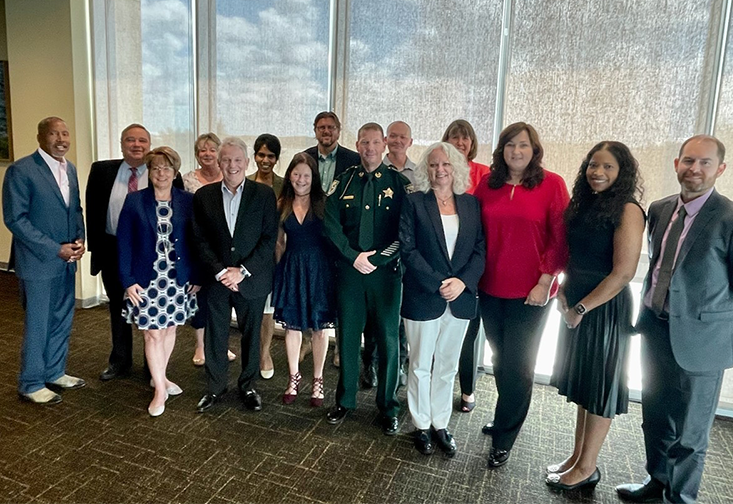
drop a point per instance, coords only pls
(41, 208)
(686, 322)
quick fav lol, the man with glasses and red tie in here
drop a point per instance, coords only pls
(686, 322)
(108, 185)
(41, 208)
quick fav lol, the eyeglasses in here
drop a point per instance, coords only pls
(161, 168)
(326, 128)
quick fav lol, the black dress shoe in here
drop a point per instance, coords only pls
(497, 457)
(369, 376)
(650, 491)
(423, 442)
(208, 401)
(251, 399)
(113, 372)
(446, 442)
(553, 481)
(336, 415)
(390, 425)
(488, 429)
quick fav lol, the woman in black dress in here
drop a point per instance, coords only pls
(303, 294)
(605, 231)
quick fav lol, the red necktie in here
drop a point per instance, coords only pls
(132, 181)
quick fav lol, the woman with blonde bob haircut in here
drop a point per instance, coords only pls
(442, 270)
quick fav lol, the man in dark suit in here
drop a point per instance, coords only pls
(686, 322)
(41, 208)
(235, 228)
(333, 159)
(107, 187)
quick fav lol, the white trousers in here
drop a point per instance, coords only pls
(435, 347)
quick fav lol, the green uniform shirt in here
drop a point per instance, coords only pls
(346, 203)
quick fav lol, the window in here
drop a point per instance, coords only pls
(424, 64)
(143, 55)
(270, 62)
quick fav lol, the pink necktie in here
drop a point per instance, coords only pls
(132, 181)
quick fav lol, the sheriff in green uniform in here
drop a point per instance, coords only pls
(362, 219)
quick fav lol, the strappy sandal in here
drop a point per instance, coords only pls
(294, 385)
(317, 395)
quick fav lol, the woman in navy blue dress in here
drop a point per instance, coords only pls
(303, 295)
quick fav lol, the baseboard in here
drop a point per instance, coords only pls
(89, 302)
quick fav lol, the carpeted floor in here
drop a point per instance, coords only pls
(100, 446)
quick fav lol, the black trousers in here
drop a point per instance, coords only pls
(514, 331)
(678, 409)
(121, 355)
(198, 321)
(220, 301)
(468, 362)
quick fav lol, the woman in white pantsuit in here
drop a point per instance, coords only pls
(443, 250)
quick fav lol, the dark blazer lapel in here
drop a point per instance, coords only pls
(148, 208)
(178, 213)
(431, 207)
(73, 183)
(217, 209)
(46, 173)
(702, 220)
(248, 192)
(665, 215)
(462, 210)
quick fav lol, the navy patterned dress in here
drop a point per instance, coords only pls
(304, 296)
(165, 303)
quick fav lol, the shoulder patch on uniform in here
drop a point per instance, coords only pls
(333, 187)
(409, 188)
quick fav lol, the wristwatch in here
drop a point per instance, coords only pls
(245, 273)
(580, 309)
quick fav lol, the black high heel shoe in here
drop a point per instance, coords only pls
(553, 481)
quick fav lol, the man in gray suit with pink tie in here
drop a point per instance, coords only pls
(686, 322)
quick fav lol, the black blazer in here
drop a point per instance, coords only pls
(99, 188)
(425, 256)
(255, 235)
(345, 158)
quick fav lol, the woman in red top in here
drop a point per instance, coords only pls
(522, 208)
(461, 135)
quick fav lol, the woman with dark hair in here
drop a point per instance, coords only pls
(206, 150)
(522, 207)
(303, 295)
(267, 153)
(461, 135)
(157, 266)
(605, 231)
